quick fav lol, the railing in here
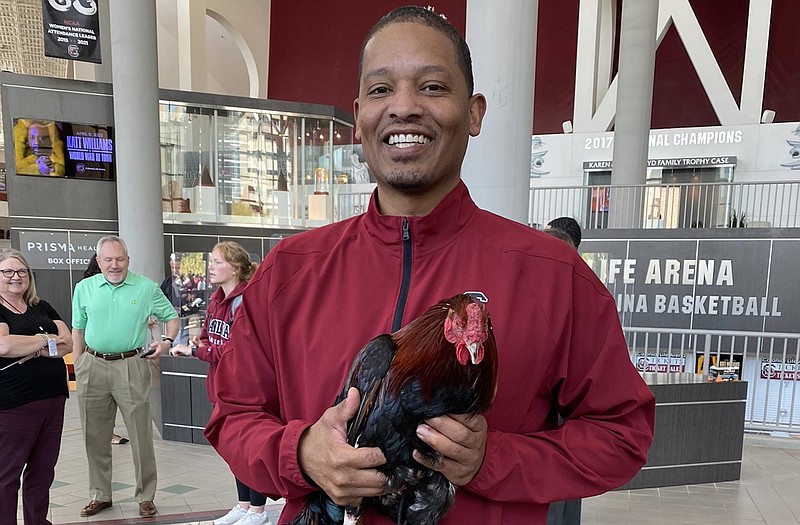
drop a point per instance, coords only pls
(767, 361)
(351, 204)
(664, 206)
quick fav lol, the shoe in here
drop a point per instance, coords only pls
(147, 509)
(118, 440)
(254, 518)
(94, 507)
(233, 515)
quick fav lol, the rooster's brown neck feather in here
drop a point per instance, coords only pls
(424, 353)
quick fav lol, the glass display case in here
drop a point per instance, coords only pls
(253, 166)
(693, 197)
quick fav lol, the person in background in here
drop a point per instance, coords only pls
(565, 512)
(39, 149)
(230, 269)
(320, 295)
(110, 314)
(560, 234)
(93, 269)
(33, 392)
(569, 226)
(173, 288)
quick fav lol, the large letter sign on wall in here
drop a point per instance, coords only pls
(713, 284)
(595, 101)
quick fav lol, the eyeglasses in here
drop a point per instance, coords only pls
(8, 273)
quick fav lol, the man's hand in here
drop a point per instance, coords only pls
(181, 350)
(186, 350)
(345, 473)
(461, 440)
(45, 165)
(159, 348)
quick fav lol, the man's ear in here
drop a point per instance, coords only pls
(477, 109)
(357, 131)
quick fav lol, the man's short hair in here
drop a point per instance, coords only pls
(110, 238)
(560, 234)
(569, 226)
(417, 14)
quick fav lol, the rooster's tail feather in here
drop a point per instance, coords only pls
(306, 517)
(319, 510)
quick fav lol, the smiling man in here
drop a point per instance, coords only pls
(110, 313)
(321, 295)
(415, 113)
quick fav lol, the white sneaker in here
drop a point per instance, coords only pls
(254, 518)
(233, 516)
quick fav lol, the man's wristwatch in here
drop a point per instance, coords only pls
(171, 341)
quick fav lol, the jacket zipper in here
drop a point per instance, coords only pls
(401, 300)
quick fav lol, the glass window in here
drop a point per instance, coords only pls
(187, 173)
(248, 166)
(241, 165)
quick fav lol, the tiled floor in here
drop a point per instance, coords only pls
(766, 494)
(196, 486)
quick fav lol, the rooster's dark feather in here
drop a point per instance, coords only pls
(443, 362)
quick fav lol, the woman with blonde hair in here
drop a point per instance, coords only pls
(33, 391)
(230, 268)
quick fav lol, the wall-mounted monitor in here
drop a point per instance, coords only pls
(63, 149)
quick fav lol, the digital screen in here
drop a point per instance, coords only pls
(63, 149)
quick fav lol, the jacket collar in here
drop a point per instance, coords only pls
(428, 232)
(220, 297)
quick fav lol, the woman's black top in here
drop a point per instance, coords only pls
(40, 377)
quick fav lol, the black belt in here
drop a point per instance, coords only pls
(114, 357)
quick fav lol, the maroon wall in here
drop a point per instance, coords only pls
(314, 47)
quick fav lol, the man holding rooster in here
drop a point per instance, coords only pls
(321, 295)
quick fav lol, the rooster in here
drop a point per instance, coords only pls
(443, 362)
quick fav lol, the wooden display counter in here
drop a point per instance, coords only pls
(699, 431)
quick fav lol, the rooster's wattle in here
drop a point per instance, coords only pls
(443, 362)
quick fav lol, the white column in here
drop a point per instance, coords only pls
(637, 51)
(102, 72)
(502, 39)
(136, 133)
(192, 67)
(98, 72)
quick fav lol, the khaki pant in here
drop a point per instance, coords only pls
(102, 387)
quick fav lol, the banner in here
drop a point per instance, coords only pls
(71, 30)
(663, 362)
(777, 369)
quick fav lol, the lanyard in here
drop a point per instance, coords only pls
(31, 318)
(28, 315)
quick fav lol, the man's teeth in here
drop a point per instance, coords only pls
(406, 141)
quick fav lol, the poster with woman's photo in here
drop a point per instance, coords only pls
(361, 173)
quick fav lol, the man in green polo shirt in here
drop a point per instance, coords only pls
(110, 314)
